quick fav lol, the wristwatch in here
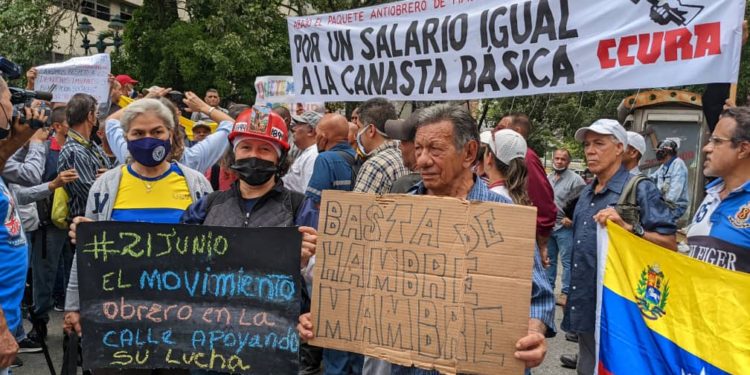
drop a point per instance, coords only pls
(638, 230)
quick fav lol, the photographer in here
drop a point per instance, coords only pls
(13, 246)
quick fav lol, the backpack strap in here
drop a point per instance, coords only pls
(629, 193)
(352, 161)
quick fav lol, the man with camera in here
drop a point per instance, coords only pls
(15, 130)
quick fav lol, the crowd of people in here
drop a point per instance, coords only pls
(269, 167)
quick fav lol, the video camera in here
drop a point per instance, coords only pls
(21, 98)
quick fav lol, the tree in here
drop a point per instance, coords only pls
(28, 29)
(224, 45)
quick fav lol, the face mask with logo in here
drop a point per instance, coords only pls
(149, 151)
(254, 171)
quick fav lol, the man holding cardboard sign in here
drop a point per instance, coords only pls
(432, 282)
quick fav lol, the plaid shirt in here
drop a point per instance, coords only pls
(381, 169)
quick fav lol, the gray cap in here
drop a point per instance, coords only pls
(402, 130)
(637, 142)
(308, 117)
(604, 126)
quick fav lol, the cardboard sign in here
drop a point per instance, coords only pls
(186, 296)
(460, 50)
(426, 281)
(88, 75)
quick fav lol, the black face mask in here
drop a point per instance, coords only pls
(255, 171)
(661, 154)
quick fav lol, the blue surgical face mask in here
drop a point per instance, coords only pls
(359, 140)
(149, 151)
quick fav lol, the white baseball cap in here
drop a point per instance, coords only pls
(507, 145)
(637, 141)
(485, 137)
(604, 126)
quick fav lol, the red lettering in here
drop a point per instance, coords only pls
(623, 50)
(678, 40)
(602, 52)
(709, 38)
(648, 55)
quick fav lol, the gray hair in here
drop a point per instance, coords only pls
(140, 107)
(464, 126)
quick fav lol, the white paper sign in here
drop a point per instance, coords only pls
(471, 49)
(279, 90)
(274, 89)
(88, 74)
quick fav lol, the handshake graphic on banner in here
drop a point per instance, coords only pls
(666, 11)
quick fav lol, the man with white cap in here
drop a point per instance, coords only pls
(604, 144)
(303, 128)
(634, 152)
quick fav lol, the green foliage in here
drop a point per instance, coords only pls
(641, 288)
(556, 117)
(27, 30)
(225, 45)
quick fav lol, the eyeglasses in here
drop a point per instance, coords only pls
(718, 141)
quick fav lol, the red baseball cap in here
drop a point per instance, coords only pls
(259, 122)
(125, 79)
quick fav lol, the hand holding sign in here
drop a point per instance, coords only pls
(309, 240)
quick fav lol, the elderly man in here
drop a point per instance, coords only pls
(633, 154)
(303, 128)
(720, 233)
(566, 185)
(446, 146)
(604, 143)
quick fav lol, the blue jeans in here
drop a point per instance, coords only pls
(560, 242)
(336, 362)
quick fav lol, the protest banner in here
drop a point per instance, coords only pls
(433, 282)
(87, 74)
(272, 91)
(662, 312)
(460, 50)
(185, 296)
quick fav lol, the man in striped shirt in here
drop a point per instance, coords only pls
(79, 153)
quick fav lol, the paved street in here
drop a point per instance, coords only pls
(34, 364)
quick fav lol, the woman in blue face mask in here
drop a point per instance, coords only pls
(149, 188)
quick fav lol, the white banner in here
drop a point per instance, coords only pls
(471, 49)
(88, 74)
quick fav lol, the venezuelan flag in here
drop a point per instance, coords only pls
(661, 312)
